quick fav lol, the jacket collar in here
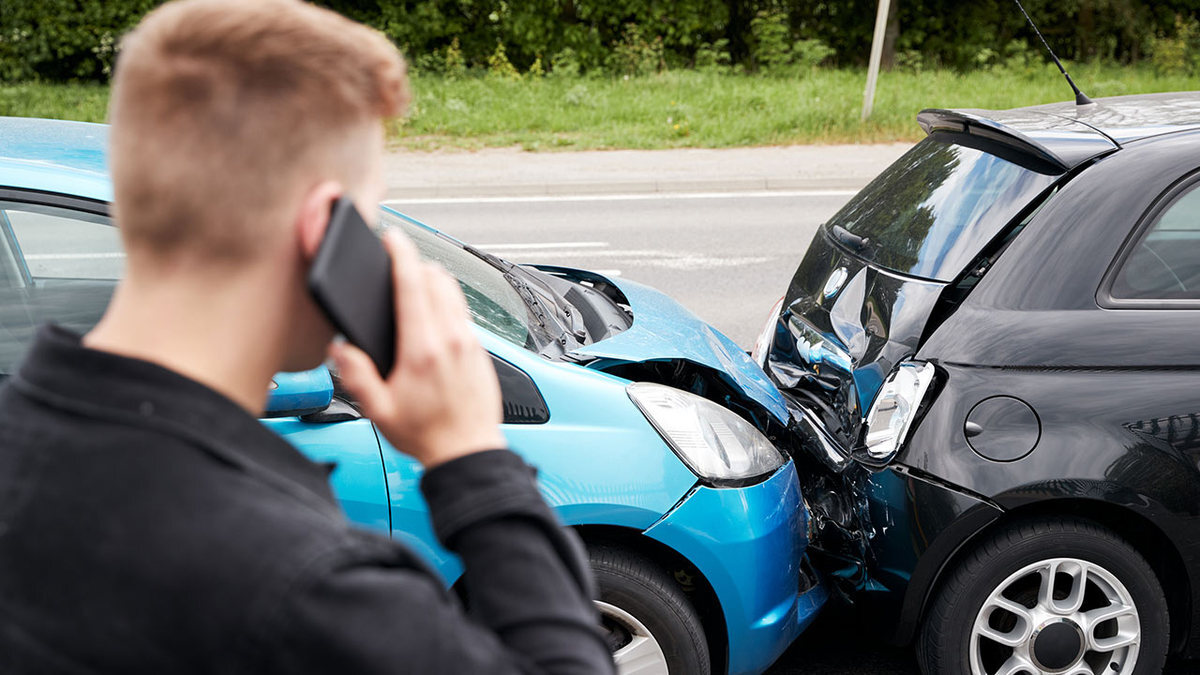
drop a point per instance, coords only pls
(61, 372)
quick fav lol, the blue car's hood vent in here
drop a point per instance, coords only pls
(664, 332)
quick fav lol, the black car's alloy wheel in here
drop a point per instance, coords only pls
(650, 625)
(1048, 596)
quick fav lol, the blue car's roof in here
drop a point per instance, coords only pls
(55, 156)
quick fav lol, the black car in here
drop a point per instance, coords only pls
(993, 352)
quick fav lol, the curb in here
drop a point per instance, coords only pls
(756, 184)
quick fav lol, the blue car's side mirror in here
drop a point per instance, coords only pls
(294, 394)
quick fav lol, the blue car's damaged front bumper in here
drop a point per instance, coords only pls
(749, 544)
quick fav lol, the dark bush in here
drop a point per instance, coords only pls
(61, 40)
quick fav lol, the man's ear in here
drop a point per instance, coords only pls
(313, 217)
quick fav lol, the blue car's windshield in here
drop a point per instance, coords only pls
(62, 265)
(493, 302)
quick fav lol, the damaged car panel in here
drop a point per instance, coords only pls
(1057, 433)
(664, 332)
(875, 282)
(833, 350)
(899, 244)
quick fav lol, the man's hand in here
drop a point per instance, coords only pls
(442, 399)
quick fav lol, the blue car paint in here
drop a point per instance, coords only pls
(726, 533)
(600, 461)
(356, 462)
(55, 156)
(302, 391)
(663, 330)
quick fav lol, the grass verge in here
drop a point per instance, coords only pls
(677, 109)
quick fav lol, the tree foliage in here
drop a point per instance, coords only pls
(63, 39)
(58, 40)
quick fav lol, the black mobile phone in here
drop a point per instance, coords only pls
(351, 281)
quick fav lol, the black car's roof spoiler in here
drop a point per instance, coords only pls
(1058, 141)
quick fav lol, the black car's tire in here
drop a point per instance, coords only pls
(950, 629)
(634, 590)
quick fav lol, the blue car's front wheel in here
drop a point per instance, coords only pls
(651, 627)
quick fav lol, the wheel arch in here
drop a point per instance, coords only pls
(1141, 532)
(702, 595)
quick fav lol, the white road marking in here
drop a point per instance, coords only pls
(543, 245)
(627, 197)
(674, 260)
(73, 256)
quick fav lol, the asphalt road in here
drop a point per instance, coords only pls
(728, 258)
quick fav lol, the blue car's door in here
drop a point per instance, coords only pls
(353, 449)
(410, 515)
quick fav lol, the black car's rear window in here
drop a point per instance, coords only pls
(931, 212)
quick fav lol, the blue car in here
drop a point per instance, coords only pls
(652, 432)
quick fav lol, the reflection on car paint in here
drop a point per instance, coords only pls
(1181, 432)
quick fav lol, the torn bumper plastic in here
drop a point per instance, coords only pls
(749, 543)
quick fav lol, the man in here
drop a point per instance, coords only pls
(148, 523)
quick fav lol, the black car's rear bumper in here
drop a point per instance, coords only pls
(918, 528)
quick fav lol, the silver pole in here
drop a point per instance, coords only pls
(876, 57)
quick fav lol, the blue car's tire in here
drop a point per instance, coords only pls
(642, 608)
(1048, 595)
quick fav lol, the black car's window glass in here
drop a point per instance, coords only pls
(989, 258)
(56, 265)
(1165, 263)
(491, 300)
(931, 212)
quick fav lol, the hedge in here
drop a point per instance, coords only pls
(64, 40)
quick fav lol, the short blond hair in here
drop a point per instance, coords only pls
(224, 112)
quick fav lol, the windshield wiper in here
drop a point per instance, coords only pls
(544, 316)
(494, 261)
(511, 272)
(530, 298)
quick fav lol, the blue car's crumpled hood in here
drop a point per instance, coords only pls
(663, 330)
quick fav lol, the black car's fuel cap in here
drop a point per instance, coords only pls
(1002, 428)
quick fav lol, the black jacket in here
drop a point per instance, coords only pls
(149, 525)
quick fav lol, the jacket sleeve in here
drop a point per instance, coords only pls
(526, 579)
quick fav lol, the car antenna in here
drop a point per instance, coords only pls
(1080, 97)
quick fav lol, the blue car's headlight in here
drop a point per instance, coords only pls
(714, 442)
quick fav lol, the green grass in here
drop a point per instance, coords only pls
(678, 109)
(86, 102)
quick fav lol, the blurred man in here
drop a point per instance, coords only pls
(148, 522)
